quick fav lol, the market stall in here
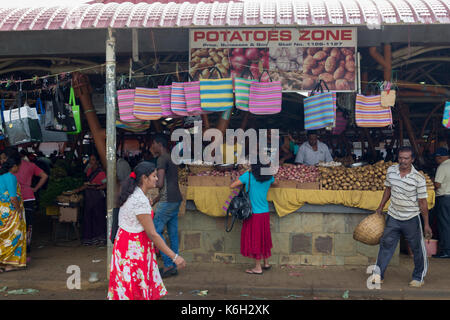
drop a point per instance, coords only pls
(313, 216)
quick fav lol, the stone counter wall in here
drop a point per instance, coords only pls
(298, 239)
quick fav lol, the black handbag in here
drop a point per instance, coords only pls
(115, 224)
(62, 118)
(21, 124)
(240, 207)
(47, 135)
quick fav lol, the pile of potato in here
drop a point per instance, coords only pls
(335, 66)
(369, 178)
(204, 59)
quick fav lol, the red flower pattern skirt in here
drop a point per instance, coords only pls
(134, 271)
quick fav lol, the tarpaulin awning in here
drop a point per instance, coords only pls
(220, 14)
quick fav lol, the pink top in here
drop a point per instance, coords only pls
(99, 179)
(26, 172)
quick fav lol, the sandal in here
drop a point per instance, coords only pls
(4, 269)
(267, 267)
(253, 272)
(168, 273)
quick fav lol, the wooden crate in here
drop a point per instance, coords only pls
(309, 185)
(287, 184)
(209, 181)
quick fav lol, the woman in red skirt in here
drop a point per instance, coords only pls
(134, 271)
(256, 240)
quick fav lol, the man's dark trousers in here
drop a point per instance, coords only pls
(412, 231)
(443, 222)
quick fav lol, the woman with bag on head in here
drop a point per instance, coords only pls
(94, 220)
(256, 239)
(134, 270)
(12, 217)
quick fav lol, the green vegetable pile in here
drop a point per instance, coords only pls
(64, 176)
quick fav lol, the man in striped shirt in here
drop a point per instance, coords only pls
(407, 190)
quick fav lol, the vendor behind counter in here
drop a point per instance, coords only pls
(313, 151)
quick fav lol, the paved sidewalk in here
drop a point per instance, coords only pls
(47, 273)
(313, 282)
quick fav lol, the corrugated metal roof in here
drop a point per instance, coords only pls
(143, 14)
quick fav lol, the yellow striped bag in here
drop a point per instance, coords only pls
(146, 104)
(216, 94)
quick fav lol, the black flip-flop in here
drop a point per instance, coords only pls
(171, 272)
(267, 268)
(252, 272)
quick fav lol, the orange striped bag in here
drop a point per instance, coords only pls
(370, 114)
(146, 104)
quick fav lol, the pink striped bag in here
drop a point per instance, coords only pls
(178, 99)
(125, 101)
(165, 93)
(146, 104)
(192, 96)
(370, 114)
(265, 97)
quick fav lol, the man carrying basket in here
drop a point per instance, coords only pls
(407, 190)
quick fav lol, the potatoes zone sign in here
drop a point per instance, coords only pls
(296, 57)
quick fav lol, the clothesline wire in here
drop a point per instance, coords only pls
(36, 78)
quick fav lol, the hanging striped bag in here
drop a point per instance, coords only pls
(146, 104)
(165, 94)
(265, 97)
(370, 114)
(125, 101)
(133, 126)
(178, 99)
(216, 94)
(242, 92)
(192, 96)
(319, 109)
(446, 116)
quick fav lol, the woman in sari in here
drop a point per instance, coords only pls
(12, 218)
(134, 273)
(94, 218)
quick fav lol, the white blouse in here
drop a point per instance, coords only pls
(137, 203)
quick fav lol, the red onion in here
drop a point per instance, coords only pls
(237, 51)
(252, 54)
(239, 62)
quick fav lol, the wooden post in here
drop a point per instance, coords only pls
(435, 109)
(404, 112)
(83, 90)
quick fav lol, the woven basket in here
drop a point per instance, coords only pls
(370, 229)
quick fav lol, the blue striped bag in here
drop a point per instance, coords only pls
(216, 94)
(319, 111)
